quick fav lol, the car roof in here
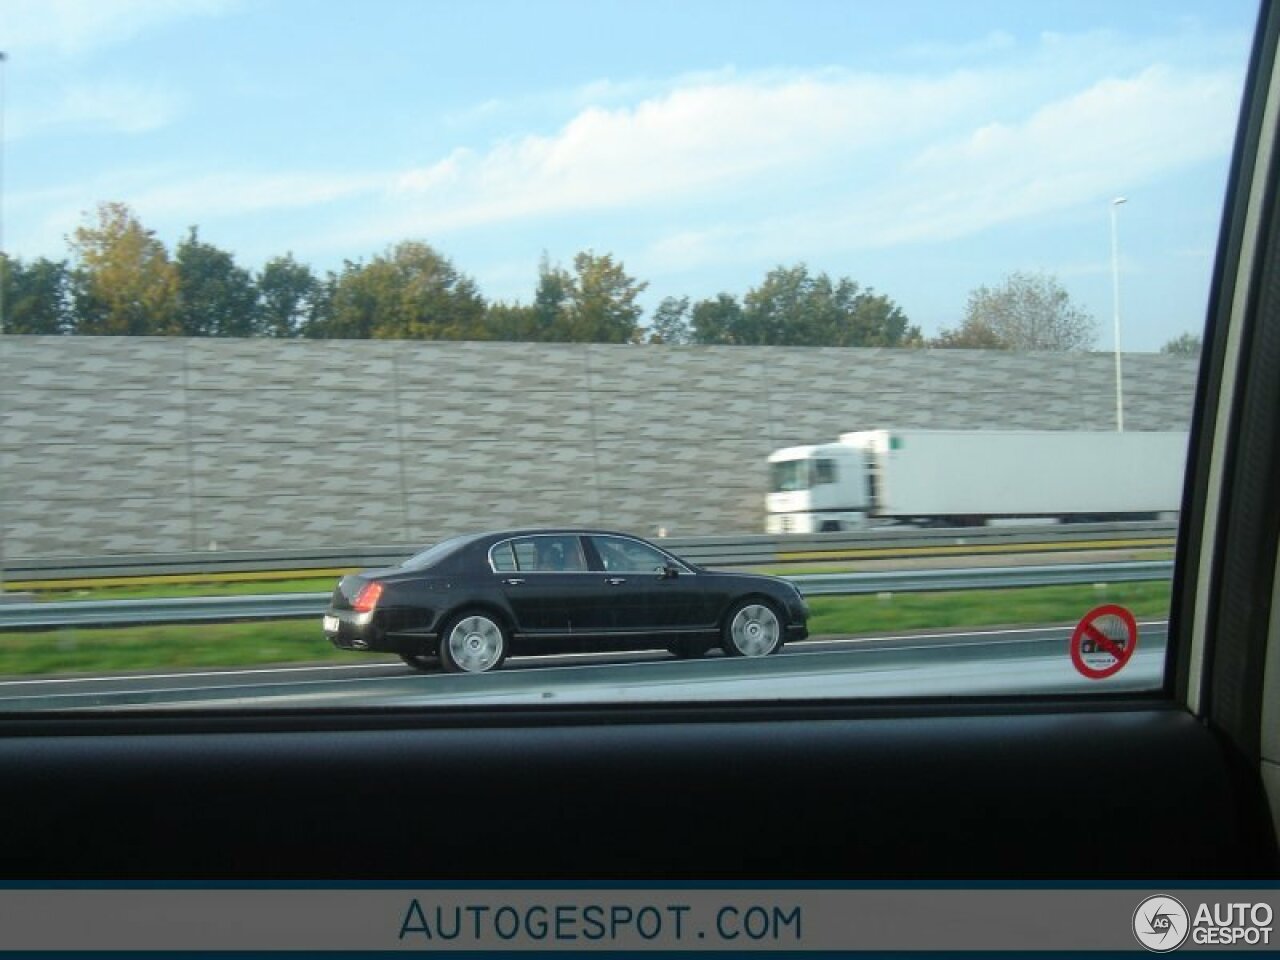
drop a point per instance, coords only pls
(496, 535)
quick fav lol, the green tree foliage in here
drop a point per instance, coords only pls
(717, 321)
(216, 298)
(289, 298)
(794, 308)
(1029, 311)
(970, 335)
(410, 293)
(1187, 345)
(37, 296)
(551, 303)
(671, 322)
(602, 303)
(123, 282)
(511, 321)
(595, 303)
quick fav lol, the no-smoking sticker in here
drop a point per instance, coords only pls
(1104, 641)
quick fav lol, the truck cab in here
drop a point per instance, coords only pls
(817, 488)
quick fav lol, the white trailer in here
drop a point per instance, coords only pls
(974, 477)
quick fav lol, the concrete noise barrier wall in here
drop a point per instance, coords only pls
(152, 445)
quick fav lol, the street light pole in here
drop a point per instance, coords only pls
(1115, 299)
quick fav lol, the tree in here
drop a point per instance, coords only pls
(671, 322)
(717, 321)
(37, 298)
(511, 321)
(1187, 345)
(791, 307)
(595, 303)
(551, 303)
(1029, 311)
(216, 298)
(602, 302)
(123, 282)
(409, 293)
(289, 297)
(971, 335)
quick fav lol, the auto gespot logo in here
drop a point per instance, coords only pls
(1161, 924)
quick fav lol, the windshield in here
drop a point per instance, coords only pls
(590, 278)
(789, 475)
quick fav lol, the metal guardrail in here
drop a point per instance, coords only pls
(736, 550)
(287, 606)
(980, 578)
(120, 613)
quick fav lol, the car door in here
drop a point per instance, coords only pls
(548, 586)
(643, 597)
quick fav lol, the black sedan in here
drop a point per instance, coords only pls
(472, 600)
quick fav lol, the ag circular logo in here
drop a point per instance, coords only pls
(1161, 923)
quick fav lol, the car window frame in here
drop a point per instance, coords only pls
(547, 535)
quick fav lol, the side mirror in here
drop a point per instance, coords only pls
(669, 571)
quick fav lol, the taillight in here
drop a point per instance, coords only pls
(367, 598)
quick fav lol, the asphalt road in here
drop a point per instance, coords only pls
(996, 662)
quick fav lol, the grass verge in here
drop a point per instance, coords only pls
(980, 608)
(185, 647)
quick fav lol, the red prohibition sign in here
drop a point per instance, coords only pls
(1107, 652)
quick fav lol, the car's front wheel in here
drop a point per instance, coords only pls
(752, 629)
(474, 642)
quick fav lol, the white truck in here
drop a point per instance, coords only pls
(952, 478)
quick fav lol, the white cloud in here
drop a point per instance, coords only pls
(1117, 133)
(1109, 138)
(695, 141)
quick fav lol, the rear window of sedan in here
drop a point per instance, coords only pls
(433, 555)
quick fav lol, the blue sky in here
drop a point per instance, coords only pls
(921, 148)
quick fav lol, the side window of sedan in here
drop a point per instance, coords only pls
(502, 557)
(525, 553)
(545, 554)
(627, 556)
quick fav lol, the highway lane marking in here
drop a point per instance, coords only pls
(402, 675)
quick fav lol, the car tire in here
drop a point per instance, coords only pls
(421, 662)
(753, 628)
(473, 642)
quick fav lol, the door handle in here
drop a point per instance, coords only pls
(614, 581)
(513, 581)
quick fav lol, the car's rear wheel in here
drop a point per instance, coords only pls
(752, 629)
(420, 661)
(474, 642)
